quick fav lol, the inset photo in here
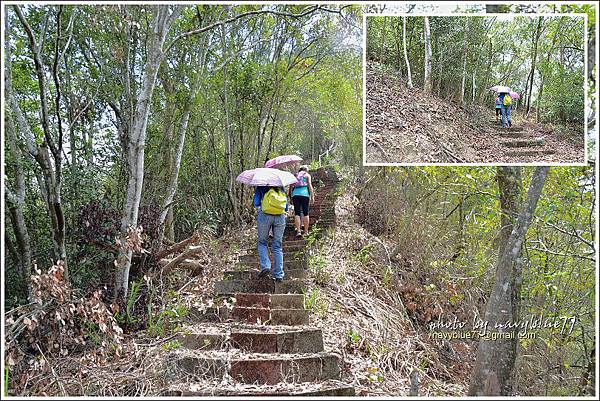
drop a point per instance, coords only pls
(497, 89)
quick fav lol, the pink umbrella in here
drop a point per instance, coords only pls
(281, 161)
(266, 176)
(514, 95)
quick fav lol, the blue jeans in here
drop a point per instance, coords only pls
(506, 115)
(265, 222)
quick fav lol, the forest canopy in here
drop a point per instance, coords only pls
(539, 57)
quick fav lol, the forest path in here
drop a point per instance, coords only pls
(521, 141)
(410, 126)
(256, 338)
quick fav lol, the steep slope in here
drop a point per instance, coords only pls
(409, 126)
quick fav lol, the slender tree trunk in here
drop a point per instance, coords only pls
(48, 154)
(487, 72)
(382, 48)
(15, 203)
(464, 57)
(427, 81)
(176, 161)
(398, 51)
(408, 74)
(492, 373)
(440, 63)
(538, 33)
(136, 141)
(228, 139)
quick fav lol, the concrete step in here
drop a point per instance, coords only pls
(265, 285)
(287, 264)
(273, 301)
(526, 153)
(250, 315)
(287, 301)
(260, 368)
(250, 258)
(291, 229)
(329, 388)
(511, 134)
(516, 143)
(284, 317)
(511, 129)
(253, 274)
(262, 339)
(286, 249)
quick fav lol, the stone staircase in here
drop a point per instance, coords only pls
(520, 144)
(262, 343)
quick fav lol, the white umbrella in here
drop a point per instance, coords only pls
(266, 176)
(500, 89)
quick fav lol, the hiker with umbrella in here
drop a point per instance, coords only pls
(301, 192)
(271, 201)
(506, 96)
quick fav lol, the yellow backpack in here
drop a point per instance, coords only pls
(274, 202)
(507, 100)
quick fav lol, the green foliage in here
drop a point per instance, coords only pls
(498, 51)
(364, 254)
(171, 345)
(316, 304)
(353, 337)
(318, 268)
(169, 316)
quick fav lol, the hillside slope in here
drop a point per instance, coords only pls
(409, 126)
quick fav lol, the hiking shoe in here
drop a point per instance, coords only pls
(278, 279)
(263, 273)
(298, 234)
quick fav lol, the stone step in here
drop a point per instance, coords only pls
(510, 134)
(288, 264)
(251, 315)
(525, 153)
(201, 341)
(259, 368)
(284, 317)
(253, 274)
(286, 249)
(327, 221)
(331, 388)
(516, 143)
(305, 341)
(265, 285)
(273, 301)
(253, 258)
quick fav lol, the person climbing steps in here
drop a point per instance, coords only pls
(302, 193)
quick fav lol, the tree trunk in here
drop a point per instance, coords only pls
(382, 48)
(487, 72)
(15, 203)
(440, 62)
(537, 34)
(398, 51)
(51, 166)
(228, 140)
(136, 141)
(473, 87)
(464, 67)
(427, 81)
(408, 74)
(176, 161)
(494, 364)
